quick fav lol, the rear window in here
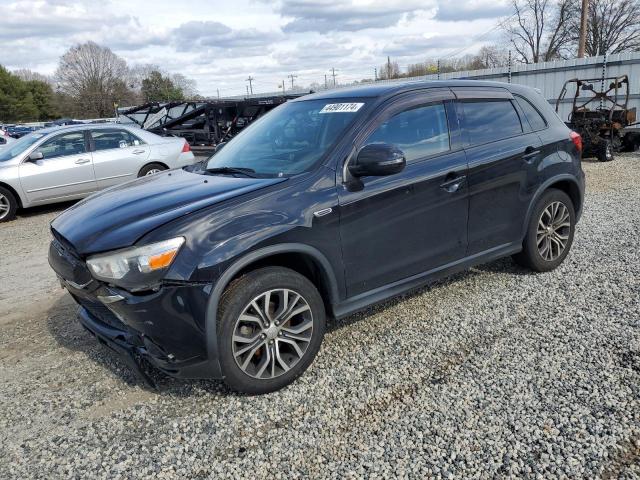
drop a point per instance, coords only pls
(490, 120)
(108, 139)
(535, 119)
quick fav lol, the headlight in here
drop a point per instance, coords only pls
(136, 268)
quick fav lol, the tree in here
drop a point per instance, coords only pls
(389, 70)
(43, 99)
(95, 78)
(187, 85)
(541, 29)
(29, 75)
(158, 88)
(613, 26)
(16, 101)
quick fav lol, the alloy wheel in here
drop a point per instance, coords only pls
(554, 228)
(5, 206)
(153, 171)
(272, 334)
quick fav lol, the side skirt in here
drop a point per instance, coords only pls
(380, 294)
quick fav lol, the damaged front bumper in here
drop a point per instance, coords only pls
(164, 328)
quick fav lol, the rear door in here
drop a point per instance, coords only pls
(66, 171)
(503, 153)
(401, 225)
(118, 155)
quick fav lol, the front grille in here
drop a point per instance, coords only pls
(101, 313)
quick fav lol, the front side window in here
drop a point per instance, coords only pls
(108, 139)
(71, 143)
(419, 132)
(490, 120)
(291, 138)
(535, 119)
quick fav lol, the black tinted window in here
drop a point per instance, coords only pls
(418, 132)
(63, 145)
(490, 120)
(534, 118)
(107, 139)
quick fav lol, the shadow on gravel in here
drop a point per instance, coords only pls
(69, 334)
(54, 207)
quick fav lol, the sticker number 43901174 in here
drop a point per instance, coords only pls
(341, 107)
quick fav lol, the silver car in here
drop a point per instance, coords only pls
(67, 163)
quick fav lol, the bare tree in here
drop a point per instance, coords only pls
(94, 77)
(29, 75)
(613, 26)
(187, 85)
(541, 29)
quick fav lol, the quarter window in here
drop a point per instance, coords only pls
(536, 121)
(490, 120)
(418, 132)
(107, 139)
(67, 144)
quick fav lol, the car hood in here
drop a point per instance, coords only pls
(119, 216)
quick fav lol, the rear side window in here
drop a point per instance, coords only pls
(107, 139)
(490, 120)
(535, 119)
(418, 132)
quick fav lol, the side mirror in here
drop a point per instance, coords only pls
(377, 160)
(35, 156)
(220, 146)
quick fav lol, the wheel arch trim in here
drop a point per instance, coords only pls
(565, 177)
(246, 260)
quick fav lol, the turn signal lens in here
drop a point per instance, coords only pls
(162, 260)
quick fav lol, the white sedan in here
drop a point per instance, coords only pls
(67, 163)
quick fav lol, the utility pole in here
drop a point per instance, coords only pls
(218, 90)
(375, 74)
(388, 67)
(583, 28)
(325, 81)
(247, 89)
(250, 79)
(333, 74)
(283, 88)
(292, 76)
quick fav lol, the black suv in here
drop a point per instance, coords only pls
(330, 203)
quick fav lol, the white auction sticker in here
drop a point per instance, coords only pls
(341, 107)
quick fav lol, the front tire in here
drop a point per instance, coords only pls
(550, 232)
(270, 326)
(8, 205)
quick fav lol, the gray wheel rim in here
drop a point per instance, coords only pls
(554, 228)
(272, 334)
(4, 206)
(153, 171)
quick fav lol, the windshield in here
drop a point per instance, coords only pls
(16, 148)
(290, 139)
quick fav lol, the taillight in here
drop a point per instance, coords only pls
(186, 148)
(577, 140)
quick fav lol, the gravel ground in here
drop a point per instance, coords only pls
(495, 372)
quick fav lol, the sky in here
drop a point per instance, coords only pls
(220, 44)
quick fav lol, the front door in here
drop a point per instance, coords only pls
(405, 224)
(66, 171)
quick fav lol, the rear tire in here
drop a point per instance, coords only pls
(151, 169)
(550, 232)
(266, 348)
(604, 152)
(8, 205)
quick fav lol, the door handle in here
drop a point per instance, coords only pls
(138, 152)
(454, 184)
(529, 154)
(82, 161)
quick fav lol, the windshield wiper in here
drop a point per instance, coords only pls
(247, 172)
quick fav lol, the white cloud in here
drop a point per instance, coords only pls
(220, 43)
